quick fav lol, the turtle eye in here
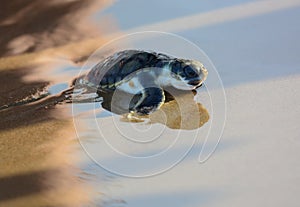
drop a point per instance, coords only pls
(189, 72)
(176, 67)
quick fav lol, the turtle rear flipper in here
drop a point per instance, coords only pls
(147, 101)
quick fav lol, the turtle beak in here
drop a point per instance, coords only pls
(195, 82)
(199, 85)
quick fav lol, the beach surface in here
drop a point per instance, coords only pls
(254, 47)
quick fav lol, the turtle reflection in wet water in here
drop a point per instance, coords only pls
(144, 84)
(179, 112)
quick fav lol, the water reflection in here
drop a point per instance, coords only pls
(179, 111)
(182, 113)
(188, 119)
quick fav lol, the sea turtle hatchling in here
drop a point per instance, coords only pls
(145, 75)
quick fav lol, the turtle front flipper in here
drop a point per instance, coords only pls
(147, 101)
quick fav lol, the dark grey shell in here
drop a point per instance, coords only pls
(107, 74)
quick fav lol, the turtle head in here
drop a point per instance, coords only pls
(187, 74)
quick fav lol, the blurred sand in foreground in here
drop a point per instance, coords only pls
(37, 166)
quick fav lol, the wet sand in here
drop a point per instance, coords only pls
(35, 148)
(38, 166)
